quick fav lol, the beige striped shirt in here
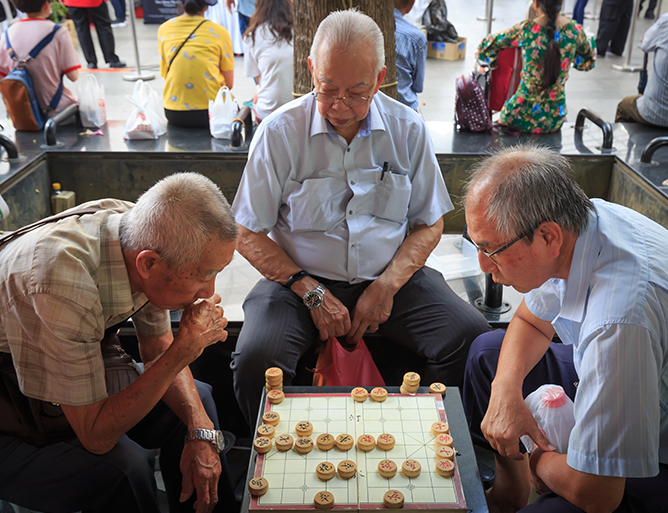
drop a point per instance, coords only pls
(61, 286)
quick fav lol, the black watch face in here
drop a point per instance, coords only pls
(312, 300)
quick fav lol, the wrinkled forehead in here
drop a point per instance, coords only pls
(357, 61)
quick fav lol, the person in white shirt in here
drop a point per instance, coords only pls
(339, 207)
(268, 55)
(596, 274)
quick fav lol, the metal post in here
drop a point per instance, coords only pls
(486, 16)
(138, 75)
(490, 18)
(629, 44)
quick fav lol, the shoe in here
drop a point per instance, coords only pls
(600, 55)
(649, 15)
(92, 65)
(117, 64)
(119, 24)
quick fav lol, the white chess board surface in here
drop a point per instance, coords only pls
(292, 478)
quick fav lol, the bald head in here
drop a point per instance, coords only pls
(350, 33)
(519, 188)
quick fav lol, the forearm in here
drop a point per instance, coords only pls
(526, 342)
(588, 492)
(100, 425)
(411, 255)
(265, 255)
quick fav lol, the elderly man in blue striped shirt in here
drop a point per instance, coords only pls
(596, 274)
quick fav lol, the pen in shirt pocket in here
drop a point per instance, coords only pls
(386, 169)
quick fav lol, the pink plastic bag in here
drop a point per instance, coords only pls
(338, 367)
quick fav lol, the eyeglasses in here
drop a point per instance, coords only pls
(492, 255)
(348, 101)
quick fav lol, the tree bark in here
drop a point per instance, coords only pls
(307, 15)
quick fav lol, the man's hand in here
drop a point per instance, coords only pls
(229, 4)
(201, 469)
(373, 308)
(331, 317)
(202, 324)
(506, 420)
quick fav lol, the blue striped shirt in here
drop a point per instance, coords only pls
(613, 308)
(411, 47)
(653, 104)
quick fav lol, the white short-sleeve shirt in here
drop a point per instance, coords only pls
(327, 203)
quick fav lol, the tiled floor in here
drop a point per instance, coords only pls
(599, 90)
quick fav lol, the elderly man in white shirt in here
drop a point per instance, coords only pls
(339, 207)
(595, 273)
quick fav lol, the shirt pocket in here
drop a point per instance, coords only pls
(392, 197)
(313, 205)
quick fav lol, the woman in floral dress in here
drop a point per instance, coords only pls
(550, 45)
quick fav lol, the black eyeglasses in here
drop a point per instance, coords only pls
(348, 101)
(492, 255)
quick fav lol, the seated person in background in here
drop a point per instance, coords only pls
(196, 60)
(268, 55)
(550, 45)
(651, 107)
(56, 59)
(411, 48)
(596, 274)
(339, 206)
(64, 285)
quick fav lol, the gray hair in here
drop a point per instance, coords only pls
(528, 185)
(352, 32)
(176, 217)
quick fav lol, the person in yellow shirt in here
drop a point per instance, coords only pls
(196, 60)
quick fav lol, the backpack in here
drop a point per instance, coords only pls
(471, 112)
(18, 90)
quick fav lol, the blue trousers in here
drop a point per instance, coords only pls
(579, 11)
(64, 477)
(645, 495)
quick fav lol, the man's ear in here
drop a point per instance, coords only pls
(310, 67)
(145, 262)
(553, 237)
(380, 78)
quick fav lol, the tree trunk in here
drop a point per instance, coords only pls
(307, 16)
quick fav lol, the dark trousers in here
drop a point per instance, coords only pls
(614, 26)
(188, 118)
(64, 477)
(102, 22)
(579, 11)
(427, 317)
(645, 495)
(243, 23)
(119, 9)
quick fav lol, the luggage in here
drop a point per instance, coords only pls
(504, 77)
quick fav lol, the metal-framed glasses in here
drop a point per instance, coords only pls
(349, 101)
(492, 255)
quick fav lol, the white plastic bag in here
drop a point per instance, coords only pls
(222, 112)
(553, 411)
(147, 120)
(91, 101)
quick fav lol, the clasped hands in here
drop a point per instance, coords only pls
(373, 308)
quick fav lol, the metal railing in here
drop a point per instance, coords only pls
(598, 121)
(244, 120)
(651, 147)
(59, 119)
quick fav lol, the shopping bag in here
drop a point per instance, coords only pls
(553, 411)
(222, 112)
(147, 120)
(338, 367)
(91, 101)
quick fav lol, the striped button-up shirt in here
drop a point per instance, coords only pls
(613, 308)
(63, 284)
(411, 49)
(653, 104)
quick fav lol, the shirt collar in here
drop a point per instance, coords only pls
(586, 251)
(115, 290)
(372, 121)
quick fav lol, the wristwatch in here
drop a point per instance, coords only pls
(313, 298)
(213, 436)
